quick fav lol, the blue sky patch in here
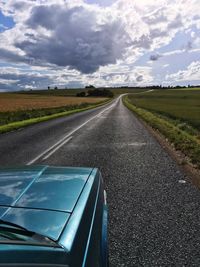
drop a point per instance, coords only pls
(100, 2)
(6, 22)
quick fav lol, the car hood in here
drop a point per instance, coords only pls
(41, 198)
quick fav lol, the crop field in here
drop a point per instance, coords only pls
(183, 105)
(175, 114)
(15, 108)
(53, 92)
(16, 102)
(119, 91)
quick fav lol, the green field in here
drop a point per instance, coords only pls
(183, 105)
(175, 114)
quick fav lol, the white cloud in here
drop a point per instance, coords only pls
(80, 42)
(7, 81)
(80, 37)
(191, 73)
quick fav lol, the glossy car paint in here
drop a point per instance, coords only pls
(46, 222)
(65, 204)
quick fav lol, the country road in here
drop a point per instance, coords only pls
(154, 211)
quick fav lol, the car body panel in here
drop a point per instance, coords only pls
(45, 222)
(44, 188)
(32, 256)
(70, 231)
(62, 203)
(13, 182)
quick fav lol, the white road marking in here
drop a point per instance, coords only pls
(136, 144)
(182, 181)
(69, 134)
(55, 149)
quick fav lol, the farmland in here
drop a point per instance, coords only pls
(175, 114)
(16, 102)
(182, 105)
(20, 110)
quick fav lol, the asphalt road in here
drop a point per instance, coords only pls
(154, 211)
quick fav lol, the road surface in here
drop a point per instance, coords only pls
(154, 211)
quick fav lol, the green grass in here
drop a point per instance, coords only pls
(22, 119)
(119, 91)
(19, 115)
(182, 140)
(181, 105)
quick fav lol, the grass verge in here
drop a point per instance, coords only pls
(181, 140)
(20, 124)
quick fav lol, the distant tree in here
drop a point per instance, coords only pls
(98, 92)
(49, 88)
(89, 86)
(81, 94)
(55, 88)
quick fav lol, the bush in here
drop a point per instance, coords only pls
(81, 94)
(98, 92)
(89, 86)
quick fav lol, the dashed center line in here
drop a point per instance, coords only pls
(68, 137)
(55, 149)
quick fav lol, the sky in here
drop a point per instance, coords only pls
(105, 43)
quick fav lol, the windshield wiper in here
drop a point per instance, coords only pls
(12, 224)
(20, 230)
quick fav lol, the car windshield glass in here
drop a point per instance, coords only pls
(14, 232)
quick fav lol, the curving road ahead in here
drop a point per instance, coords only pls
(154, 212)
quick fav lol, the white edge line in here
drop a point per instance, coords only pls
(55, 149)
(76, 129)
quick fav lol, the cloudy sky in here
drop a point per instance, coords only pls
(101, 42)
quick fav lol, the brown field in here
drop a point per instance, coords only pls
(15, 102)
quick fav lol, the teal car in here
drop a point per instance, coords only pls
(52, 216)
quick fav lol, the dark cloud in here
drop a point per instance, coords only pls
(155, 57)
(12, 56)
(189, 45)
(144, 41)
(20, 81)
(5, 87)
(139, 78)
(157, 33)
(20, 5)
(77, 39)
(176, 23)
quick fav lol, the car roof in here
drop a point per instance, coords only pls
(41, 198)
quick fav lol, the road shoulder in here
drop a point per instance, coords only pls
(191, 170)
